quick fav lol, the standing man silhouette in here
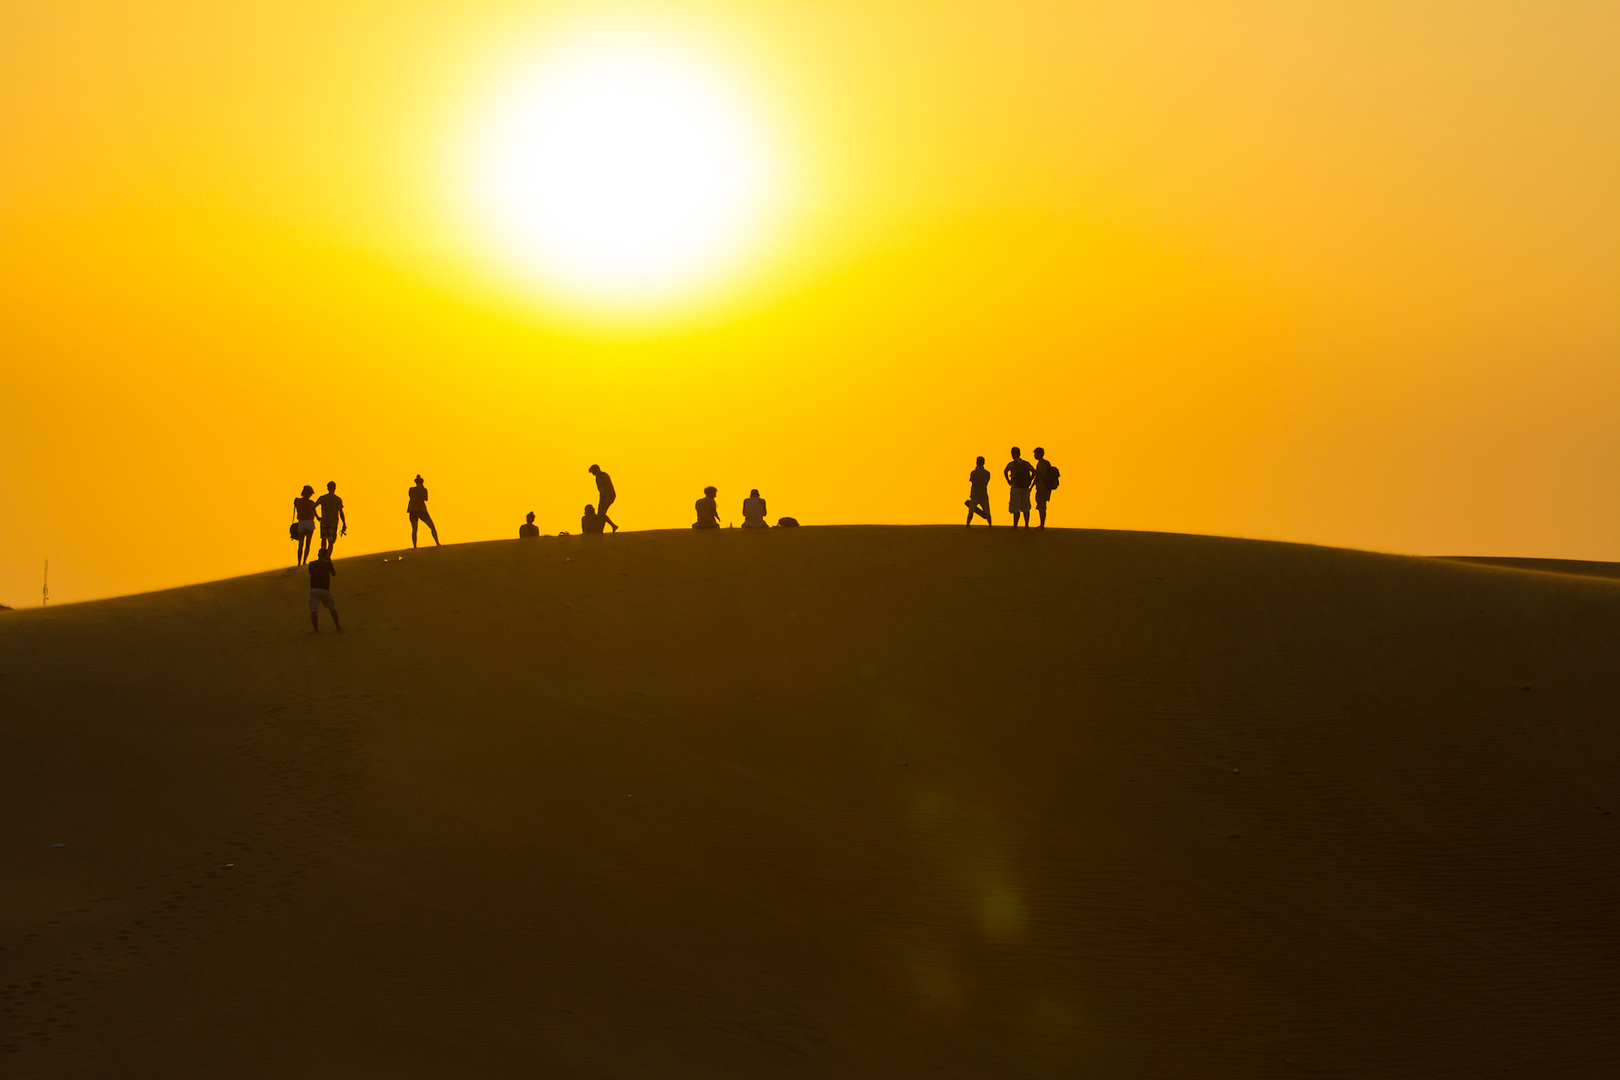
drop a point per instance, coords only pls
(978, 501)
(604, 494)
(1020, 475)
(1046, 478)
(417, 508)
(304, 514)
(331, 516)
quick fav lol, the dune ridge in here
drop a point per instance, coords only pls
(853, 801)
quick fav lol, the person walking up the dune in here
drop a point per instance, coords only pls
(978, 500)
(417, 509)
(529, 530)
(304, 529)
(604, 494)
(331, 516)
(708, 514)
(1046, 479)
(320, 589)
(754, 511)
(1020, 475)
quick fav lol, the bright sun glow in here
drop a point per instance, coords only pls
(623, 172)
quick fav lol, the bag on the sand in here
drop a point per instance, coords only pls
(787, 523)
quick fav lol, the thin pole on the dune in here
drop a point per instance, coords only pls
(45, 599)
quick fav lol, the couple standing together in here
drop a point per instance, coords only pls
(329, 510)
(1020, 475)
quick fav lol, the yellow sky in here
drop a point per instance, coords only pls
(1343, 273)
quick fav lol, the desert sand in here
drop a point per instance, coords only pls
(842, 802)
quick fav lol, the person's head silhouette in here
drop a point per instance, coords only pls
(308, 491)
(594, 469)
(331, 486)
(711, 492)
(1017, 453)
(1040, 452)
(754, 494)
(590, 511)
(981, 461)
(418, 479)
(531, 517)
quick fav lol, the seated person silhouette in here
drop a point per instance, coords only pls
(754, 511)
(529, 530)
(708, 514)
(591, 524)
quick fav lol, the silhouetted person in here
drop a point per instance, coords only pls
(331, 516)
(708, 514)
(591, 523)
(304, 515)
(754, 511)
(529, 530)
(604, 494)
(1020, 475)
(417, 508)
(320, 589)
(978, 500)
(1046, 478)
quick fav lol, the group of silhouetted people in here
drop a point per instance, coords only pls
(327, 513)
(1022, 478)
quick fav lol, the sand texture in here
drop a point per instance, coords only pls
(826, 802)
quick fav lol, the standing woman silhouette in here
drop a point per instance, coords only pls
(419, 512)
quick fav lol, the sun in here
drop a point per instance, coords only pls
(622, 171)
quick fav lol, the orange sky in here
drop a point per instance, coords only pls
(1343, 273)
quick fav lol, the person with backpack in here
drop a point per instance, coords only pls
(1046, 482)
(978, 501)
(1019, 475)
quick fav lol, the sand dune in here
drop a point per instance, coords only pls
(853, 802)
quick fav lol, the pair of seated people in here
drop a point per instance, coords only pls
(708, 514)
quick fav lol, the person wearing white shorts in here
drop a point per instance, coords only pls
(321, 571)
(1020, 476)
